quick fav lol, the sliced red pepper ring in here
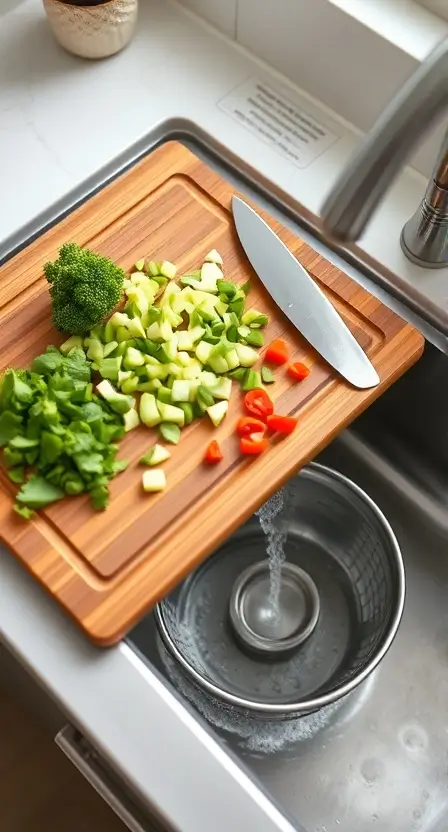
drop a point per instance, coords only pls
(277, 352)
(298, 371)
(213, 453)
(258, 404)
(282, 424)
(247, 426)
(253, 447)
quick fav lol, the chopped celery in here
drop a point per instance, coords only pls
(206, 314)
(187, 408)
(122, 334)
(153, 332)
(133, 358)
(210, 274)
(109, 332)
(267, 375)
(71, 343)
(221, 307)
(254, 318)
(213, 256)
(203, 352)
(252, 381)
(218, 364)
(95, 349)
(168, 270)
(131, 420)
(110, 368)
(164, 394)
(185, 341)
(218, 328)
(159, 371)
(232, 359)
(154, 480)
(227, 288)
(217, 412)
(152, 268)
(109, 348)
(243, 331)
(168, 350)
(204, 398)
(119, 319)
(130, 385)
(245, 288)
(171, 413)
(140, 264)
(155, 456)
(238, 374)
(123, 375)
(118, 402)
(149, 413)
(170, 432)
(255, 338)
(180, 391)
(136, 328)
(222, 389)
(183, 358)
(208, 379)
(246, 355)
(196, 333)
(237, 306)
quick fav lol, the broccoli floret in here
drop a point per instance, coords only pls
(85, 288)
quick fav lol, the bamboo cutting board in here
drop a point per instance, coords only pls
(108, 568)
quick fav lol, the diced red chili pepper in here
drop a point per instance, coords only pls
(298, 371)
(277, 352)
(213, 453)
(258, 404)
(253, 447)
(282, 424)
(247, 426)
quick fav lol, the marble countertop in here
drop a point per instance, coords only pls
(61, 119)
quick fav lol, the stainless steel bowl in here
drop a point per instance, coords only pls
(340, 538)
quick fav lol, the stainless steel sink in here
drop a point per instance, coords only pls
(380, 759)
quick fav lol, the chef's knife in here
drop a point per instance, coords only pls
(300, 298)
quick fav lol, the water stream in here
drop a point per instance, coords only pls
(275, 547)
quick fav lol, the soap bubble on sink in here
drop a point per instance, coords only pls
(256, 736)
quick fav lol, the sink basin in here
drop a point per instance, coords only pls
(377, 760)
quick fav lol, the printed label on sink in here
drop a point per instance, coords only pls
(278, 121)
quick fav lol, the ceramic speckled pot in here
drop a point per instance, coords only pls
(93, 31)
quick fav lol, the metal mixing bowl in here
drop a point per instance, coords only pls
(340, 538)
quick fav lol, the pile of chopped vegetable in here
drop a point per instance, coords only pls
(169, 356)
(57, 436)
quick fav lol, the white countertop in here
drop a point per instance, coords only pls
(60, 120)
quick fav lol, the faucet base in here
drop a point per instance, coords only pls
(424, 238)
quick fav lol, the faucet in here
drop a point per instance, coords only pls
(357, 192)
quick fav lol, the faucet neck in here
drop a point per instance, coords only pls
(387, 147)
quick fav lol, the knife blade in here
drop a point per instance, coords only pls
(300, 298)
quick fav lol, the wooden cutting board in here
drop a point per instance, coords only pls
(108, 568)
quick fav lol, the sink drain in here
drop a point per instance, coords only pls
(273, 629)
